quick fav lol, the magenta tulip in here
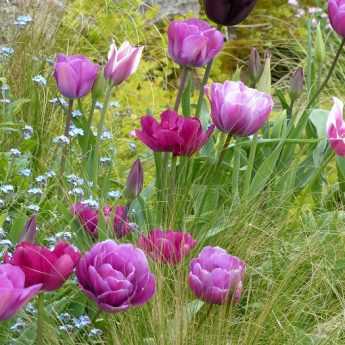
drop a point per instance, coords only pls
(238, 109)
(13, 294)
(122, 226)
(51, 268)
(336, 14)
(75, 75)
(116, 276)
(122, 62)
(193, 42)
(216, 277)
(169, 247)
(88, 217)
(135, 180)
(183, 136)
(336, 128)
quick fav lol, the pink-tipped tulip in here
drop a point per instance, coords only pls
(135, 180)
(336, 128)
(193, 42)
(75, 75)
(122, 62)
(238, 109)
(13, 294)
(183, 136)
(336, 14)
(51, 268)
(217, 277)
(169, 246)
(116, 276)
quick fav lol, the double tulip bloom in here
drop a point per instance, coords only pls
(336, 128)
(228, 12)
(193, 42)
(238, 109)
(122, 62)
(75, 75)
(183, 136)
(217, 277)
(169, 247)
(336, 13)
(88, 218)
(49, 268)
(13, 291)
(116, 276)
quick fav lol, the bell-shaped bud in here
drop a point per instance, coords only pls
(265, 81)
(135, 181)
(296, 84)
(255, 67)
(30, 231)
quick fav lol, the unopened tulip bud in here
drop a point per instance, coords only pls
(320, 49)
(265, 81)
(297, 84)
(254, 65)
(135, 180)
(99, 87)
(30, 230)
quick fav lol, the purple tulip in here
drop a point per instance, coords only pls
(183, 136)
(238, 109)
(75, 75)
(13, 294)
(217, 277)
(122, 226)
(30, 231)
(193, 42)
(122, 62)
(228, 12)
(336, 14)
(49, 268)
(116, 276)
(169, 246)
(135, 180)
(336, 128)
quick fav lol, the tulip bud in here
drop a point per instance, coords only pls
(30, 231)
(228, 12)
(296, 84)
(254, 65)
(135, 181)
(264, 83)
(98, 87)
(320, 49)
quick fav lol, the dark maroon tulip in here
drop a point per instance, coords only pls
(183, 136)
(167, 246)
(228, 12)
(51, 268)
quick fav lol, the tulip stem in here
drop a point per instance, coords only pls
(329, 75)
(66, 134)
(40, 320)
(89, 122)
(249, 172)
(225, 147)
(114, 339)
(206, 317)
(183, 81)
(236, 173)
(103, 113)
(202, 88)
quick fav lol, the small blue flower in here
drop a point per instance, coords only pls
(35, 191)
(5, 101)
(6, 188)
(91, 203)
(33, 208)
(18, 327)
(99, 105)
(75, 131)
(132, 146)
(41, 179)
(6, 51)
(114, 104)
(40, 80)
(27, 132)
(23, 20)
(82, 321)
(65, 317)
(63, 235)
(76, 113)
(105, 160)
(61, 140)
(106, 135)
(14, 153)
(76, 192)
(115, 194)
(75, 180)
(95, 333)
(25, 172)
